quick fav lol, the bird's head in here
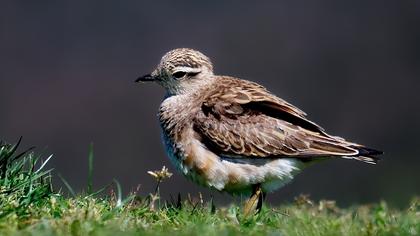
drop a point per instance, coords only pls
(181, 70)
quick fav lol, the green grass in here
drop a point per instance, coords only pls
(29, 206)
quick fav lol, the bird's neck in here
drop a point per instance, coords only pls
(178, 110)
(179, 107)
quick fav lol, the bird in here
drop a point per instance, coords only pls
(234, 135)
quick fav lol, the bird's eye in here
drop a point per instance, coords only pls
(179, 74)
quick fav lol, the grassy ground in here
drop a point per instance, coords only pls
(29, 206)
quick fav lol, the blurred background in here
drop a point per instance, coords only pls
(67, 71)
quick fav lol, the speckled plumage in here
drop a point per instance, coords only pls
(232, 134)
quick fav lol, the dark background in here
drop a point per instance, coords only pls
(67, 70)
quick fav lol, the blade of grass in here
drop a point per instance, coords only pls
(119, 194)
(90, 170)
(68, 186)
(43, 164)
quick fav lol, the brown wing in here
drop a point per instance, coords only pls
(242, 119)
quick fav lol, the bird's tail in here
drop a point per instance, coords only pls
(368, 155)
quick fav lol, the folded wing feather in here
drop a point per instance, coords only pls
(242, 119)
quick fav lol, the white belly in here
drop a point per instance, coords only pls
(272, 175)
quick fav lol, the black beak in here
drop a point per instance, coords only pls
(145, 78)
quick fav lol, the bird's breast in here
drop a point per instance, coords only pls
(180, 151)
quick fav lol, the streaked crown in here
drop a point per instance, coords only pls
(185, 58)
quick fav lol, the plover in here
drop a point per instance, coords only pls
(234, 135)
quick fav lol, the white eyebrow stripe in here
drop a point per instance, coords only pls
(186, 69)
